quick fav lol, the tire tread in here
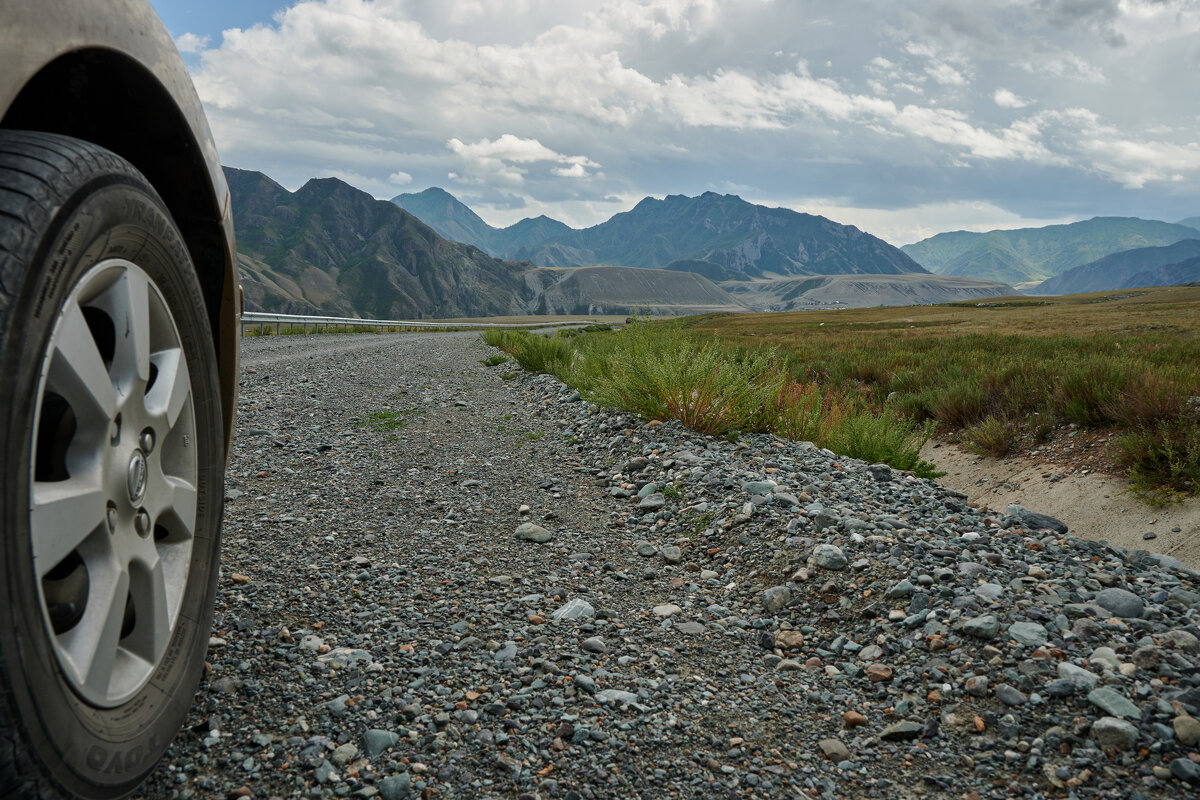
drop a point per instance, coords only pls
(38, 172)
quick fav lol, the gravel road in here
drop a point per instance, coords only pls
(442, 579)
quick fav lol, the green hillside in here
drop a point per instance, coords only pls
(1117, 270)
(1035, 254)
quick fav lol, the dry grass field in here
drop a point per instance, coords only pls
(1001, 375)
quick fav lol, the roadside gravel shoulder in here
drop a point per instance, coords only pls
(442, 579)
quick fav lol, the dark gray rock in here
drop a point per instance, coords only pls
(1114, 732)
(829, 556)
(1121, 603)
(982, 627)
(1113, 703)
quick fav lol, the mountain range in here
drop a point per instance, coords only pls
(1027, 256)
(329, 248)
(1143, 266)
(332, 249)
(722, 237)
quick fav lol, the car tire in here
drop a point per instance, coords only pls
(111, 494)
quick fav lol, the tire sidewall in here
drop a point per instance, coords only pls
(95, 752)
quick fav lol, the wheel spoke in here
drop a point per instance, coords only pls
(64, 513)
(183, 502)
(173, 386)
(148, 588)
(93, 643)
(171, 498)
(129, 307)
(77, 371)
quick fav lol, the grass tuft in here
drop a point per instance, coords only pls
(990, 437)
(665, 372)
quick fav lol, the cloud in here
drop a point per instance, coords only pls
(946, 75)
(497, 160)
(528, 99)
(1006, 99)
(901, 226)
(191, 43)
(1097, 15)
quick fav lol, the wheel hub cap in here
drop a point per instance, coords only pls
(114, 480)
(135, 482)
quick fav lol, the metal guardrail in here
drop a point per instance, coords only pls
(263, 320)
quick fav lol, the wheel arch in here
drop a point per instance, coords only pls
(106, 97)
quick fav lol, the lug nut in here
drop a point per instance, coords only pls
(146, 441)
(141, 523)
(111, 517)
(114, 430)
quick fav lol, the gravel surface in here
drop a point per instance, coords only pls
(442, 579)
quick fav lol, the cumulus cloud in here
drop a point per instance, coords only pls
(191, 43)
(498, 160)
(1006, 99)
(527, 100)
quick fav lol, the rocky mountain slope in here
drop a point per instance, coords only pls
(1121, 270)
(338, 250)
(713, 235)
(454, 220)
(1029, 255)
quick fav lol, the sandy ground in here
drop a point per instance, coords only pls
(1094, 506)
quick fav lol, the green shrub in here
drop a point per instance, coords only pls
(1163, 460)
(990, 437)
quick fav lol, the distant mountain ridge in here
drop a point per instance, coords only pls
(1117, 270)
(1167, 275)
(331, 249)
(455, 220)
(1026, 255)
(711, 234)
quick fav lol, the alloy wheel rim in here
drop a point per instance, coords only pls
(113, 482)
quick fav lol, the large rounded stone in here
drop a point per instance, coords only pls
(1031, 634)
(983, 627)
(1114, 732)
(1121, 603)
(533, 533)
(775, 598)
(829, 556)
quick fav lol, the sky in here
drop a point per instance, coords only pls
(904, 118)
